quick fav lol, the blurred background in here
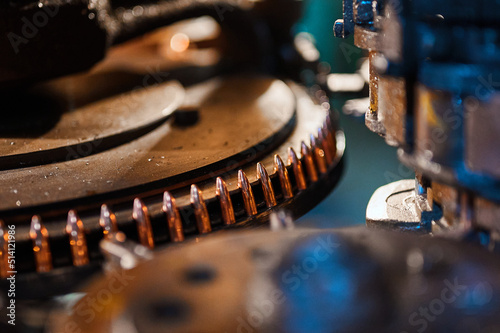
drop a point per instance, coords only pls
(370, 163)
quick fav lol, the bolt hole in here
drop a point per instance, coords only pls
(200, 274)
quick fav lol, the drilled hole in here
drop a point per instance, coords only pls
(200, 274)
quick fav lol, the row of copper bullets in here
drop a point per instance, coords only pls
(314, 162)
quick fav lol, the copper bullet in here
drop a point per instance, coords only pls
(330, 137)
(307, 158)
(329, 133)
(4, 251)
(326, 146)
(247, 193)
(329, 123)
(141, 216)
(267, 186)
(286, 185)
(174, 222)
(41, 248)
(226, 204)
(200, 210)
(296, 164)
(107, 221)
(77, 241)
(319, 155)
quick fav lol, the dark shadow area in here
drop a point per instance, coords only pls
(27, 114)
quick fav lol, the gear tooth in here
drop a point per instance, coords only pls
(286, 185)
(200, 210)
(294, 161)
(330, 137)
(247, 193)
(140, 215)
(319, 154)
(4, 249)
(308, 160)
(329, 123)
(322, 137)
(41, 248)
(312, 142)
(173, 218)
(107, 221)
(226, 204)
(77, 240)
(331, 134)
(267, 186)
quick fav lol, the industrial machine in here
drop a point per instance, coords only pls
(147, 147)
(433, 68)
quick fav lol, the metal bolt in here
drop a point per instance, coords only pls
(338, 28)
(363, 12)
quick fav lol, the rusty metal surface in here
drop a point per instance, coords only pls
(230, 123)
(374, 79)
(366, 38)
(447, 197)
(392, 109)
(435, 103)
